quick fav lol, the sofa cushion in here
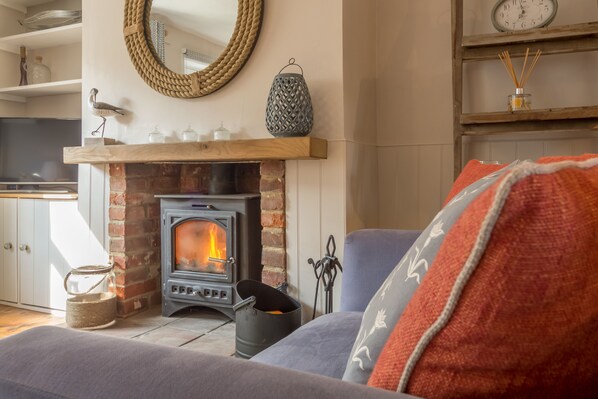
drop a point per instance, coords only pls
(387, 305)
(370, 256)
(509, 307)
(473, 171)
(321, 346)
(53, 362)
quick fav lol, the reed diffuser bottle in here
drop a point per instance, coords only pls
(519, 101)
(23, 81)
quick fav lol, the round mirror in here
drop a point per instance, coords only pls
(190, 48)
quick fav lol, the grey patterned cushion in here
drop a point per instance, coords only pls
(387, 305)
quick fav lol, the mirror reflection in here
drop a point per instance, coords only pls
(188, 35)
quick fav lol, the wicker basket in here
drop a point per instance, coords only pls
(91, 311)
(94, 306)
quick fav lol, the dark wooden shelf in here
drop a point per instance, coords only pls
(571, 118)
(562, 39)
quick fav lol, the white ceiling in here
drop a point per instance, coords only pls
(213, 19)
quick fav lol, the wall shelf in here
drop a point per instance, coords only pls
(562, 39)
(576, 118)
(291, 148)
(21, 93)
(63, 35)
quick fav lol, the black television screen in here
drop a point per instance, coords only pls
(31, 150)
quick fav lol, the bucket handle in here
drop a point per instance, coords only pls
(245, 302)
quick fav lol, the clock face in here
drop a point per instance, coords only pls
(508, 15)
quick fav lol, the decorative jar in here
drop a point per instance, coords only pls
(37, 72)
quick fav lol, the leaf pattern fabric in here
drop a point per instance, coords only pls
(387, 305)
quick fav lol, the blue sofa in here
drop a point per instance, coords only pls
(52, 362)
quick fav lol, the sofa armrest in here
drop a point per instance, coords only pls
(53, 362)
(370, 255)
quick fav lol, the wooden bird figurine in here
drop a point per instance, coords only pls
(102, 110)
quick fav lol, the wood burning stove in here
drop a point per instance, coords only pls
(209, 242)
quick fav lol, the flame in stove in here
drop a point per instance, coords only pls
(215, 252)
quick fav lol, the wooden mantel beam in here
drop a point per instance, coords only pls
(288, 148)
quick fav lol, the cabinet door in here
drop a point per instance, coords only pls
(26, 233)
(54, 232)
(8, 246)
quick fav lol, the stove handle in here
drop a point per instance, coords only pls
(206, 207)
(227, 263)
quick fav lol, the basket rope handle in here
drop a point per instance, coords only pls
(89, 290)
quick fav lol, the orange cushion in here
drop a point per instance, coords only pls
(473, 171)
(522, 319)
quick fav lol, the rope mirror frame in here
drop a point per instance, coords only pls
(198, 84)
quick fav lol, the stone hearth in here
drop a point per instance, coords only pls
(134, 221)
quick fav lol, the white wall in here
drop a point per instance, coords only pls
(414, 102)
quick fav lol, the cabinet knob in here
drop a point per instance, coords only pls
(8, 246)
(24, 247)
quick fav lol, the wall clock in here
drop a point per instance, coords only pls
(515, 15)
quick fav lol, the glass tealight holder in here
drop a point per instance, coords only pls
(221, 133)
(156, 136)
(190, 135)
(520, 101)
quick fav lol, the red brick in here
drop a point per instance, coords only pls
(118, 184)
(272, 168)
(138, 184)
(135, 213)
(119, 261)
(273, 219)
(273, 237)
(165, 184)
(273, 201)
(267, 184)
(130, 276)
(169, 170)
(273, 277)
(274, 257)
(125, 308)
(189, 184)
(117, 244)
(116, 229)
(141, 170)
(117, 199)
(117, 213)
(117, 170)
(153, 211)
(194, 170)
(137, 289)
(138, 243)
(156, 299)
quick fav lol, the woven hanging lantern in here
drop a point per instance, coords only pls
(289, 112)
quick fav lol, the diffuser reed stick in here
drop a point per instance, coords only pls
(519, 101)
(505, 57)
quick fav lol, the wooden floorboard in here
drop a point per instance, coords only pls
(15, 320)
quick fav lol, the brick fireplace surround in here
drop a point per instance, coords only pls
(134, 222)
